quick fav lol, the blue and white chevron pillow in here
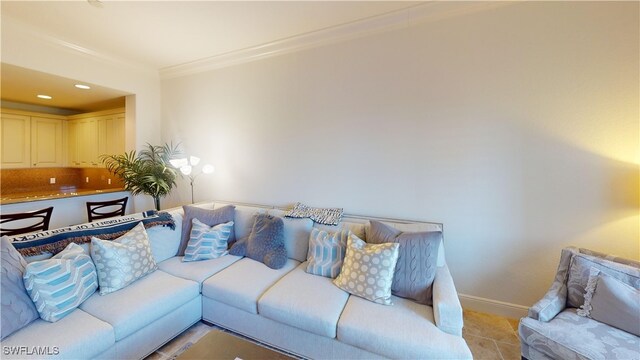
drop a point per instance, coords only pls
(59, 285)
(207, 242)
(326, 252)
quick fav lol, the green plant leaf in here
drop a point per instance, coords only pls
(146, 172)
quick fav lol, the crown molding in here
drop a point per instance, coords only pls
(425, 12)
(429, 11)
(37, 33)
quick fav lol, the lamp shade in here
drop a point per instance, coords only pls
(186, 170)
(208, 169)
(178, 163)
(194, 160)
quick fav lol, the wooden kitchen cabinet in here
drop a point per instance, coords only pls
(93, 135)
(46, 142)
(15, 141)
(29, 139)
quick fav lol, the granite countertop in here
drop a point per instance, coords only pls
(28, 196)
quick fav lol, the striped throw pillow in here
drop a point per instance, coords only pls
(207, 242)
(59, 285)
(326, 252)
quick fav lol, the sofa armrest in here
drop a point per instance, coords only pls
(447, 310)
(555, 300)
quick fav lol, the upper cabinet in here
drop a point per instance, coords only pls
(15, 140)
(46, 142)
(31, 141)
(39, 140)
(94, 135)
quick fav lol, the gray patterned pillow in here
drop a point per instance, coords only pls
(122, 261)
(265, 242)
(612, 302)
(580, 269)
(417, 260)
(17, 308)
(367, 270)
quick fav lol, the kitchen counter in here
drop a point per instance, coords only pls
(23, 197)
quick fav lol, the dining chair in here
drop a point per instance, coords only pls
(106, 209)
(14, 224)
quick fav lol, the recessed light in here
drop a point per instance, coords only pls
(84, 87)
(45, 97)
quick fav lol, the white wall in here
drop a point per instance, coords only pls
(28, 47)
(516, 127)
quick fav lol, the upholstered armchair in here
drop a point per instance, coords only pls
(591, 311)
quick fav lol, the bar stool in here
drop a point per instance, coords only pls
(41, 216)
(106, 209)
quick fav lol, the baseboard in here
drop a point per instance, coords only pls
(496, 307)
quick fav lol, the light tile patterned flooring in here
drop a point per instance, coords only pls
(489, 337)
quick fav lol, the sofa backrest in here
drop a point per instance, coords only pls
(582, 260)
(297, 231)
(165, 242)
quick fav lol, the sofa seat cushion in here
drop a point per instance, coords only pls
(243, 283)
(138, 305)
(76, 336)
(197, 271)
(308, 302)
(570, 336)
(404, 330)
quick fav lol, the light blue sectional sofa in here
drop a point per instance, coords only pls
(287, 308)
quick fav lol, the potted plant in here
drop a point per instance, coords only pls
(146, 172)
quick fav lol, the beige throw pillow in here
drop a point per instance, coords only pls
(368, 270)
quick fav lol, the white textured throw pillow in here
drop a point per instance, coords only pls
(368, 270)
(123, 260)
(207, 242)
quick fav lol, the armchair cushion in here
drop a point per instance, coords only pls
(570, 336)
(579, 275)
(612, 302)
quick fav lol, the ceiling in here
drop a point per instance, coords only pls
(22, 85)
(160, 34)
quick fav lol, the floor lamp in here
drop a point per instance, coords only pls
(187, 166)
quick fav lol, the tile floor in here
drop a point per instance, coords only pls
(489, 337)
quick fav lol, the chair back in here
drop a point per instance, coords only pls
(14, 224)
(106, 209)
